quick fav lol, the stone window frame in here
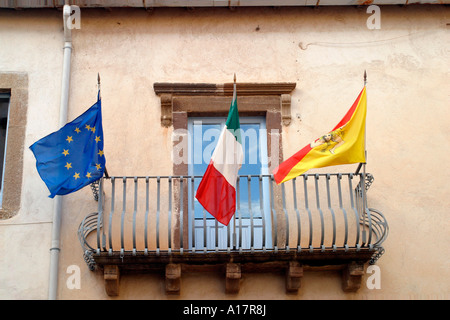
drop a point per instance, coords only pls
(179, 101)
(16, 84)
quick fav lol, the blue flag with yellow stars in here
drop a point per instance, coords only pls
(72, 157)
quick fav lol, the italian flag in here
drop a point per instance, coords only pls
(217, 190)
(343, 145)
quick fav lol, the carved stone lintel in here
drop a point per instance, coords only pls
(294, 275)
(352, 276)
(205, 98)
(224, 89)
(233, 278)
(111, 275)
(173, 278)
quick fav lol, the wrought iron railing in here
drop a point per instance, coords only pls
(150, 215)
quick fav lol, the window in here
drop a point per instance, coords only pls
(14, 105)
(183, 101)
(4, 110)
(204, 134)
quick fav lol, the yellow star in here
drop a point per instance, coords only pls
(88, 127)
(76, 175)
(88, 175)
(68, 165)
(65, 152)
(100, 153)
(77, 130)
(69, 139)
(93, 129)
(97, 139)
(98, 166)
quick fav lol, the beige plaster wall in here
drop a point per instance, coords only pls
(30, 45)
(325, 51)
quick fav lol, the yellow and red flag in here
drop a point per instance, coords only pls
(344, 144)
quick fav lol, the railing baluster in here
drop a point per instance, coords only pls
(352, 202)
(122, 221)
(365, 208)
(216, 234)
(359, 199)
(261, 206)
(322, 223)
(169, 214)
(113, 194)
(332, 212)
(238, 198)
(205, 248)
(134, 214)
(294, 197)
(146, 215)
(229, 237)
(274, 218)
(252, 234)
(99, 214)
(193, 211)
(181, 213)
(305, 187)
(283, 197)
(369, 217)
(234, 240)
(158, 208)
(339, 178)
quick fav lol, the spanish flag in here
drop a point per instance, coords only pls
(342, 145)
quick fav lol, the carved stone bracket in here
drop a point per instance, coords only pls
(111, 276)
(352, 276)
(286, 109)
(201, 98)
(166, 110)
(233, 278)
(173, 278)
(294, 276)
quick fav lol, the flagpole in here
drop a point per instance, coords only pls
(99, 97)
(234, 215)
(365, 129)
(98, 85)
(363, 184)
(234, 87)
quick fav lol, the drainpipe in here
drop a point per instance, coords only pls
(56, 228)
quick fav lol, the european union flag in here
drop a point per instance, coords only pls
(72, 157)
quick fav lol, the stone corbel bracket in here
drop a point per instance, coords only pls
(198, 98)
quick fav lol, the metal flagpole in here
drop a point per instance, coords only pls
(363, 184)
(234, 216)
(100, 197)
(98, 85)
(99, 97)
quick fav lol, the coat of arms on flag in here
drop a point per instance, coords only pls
(343, 145)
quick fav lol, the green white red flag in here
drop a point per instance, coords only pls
(217, 190)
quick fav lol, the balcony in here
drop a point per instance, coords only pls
(154, 224)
